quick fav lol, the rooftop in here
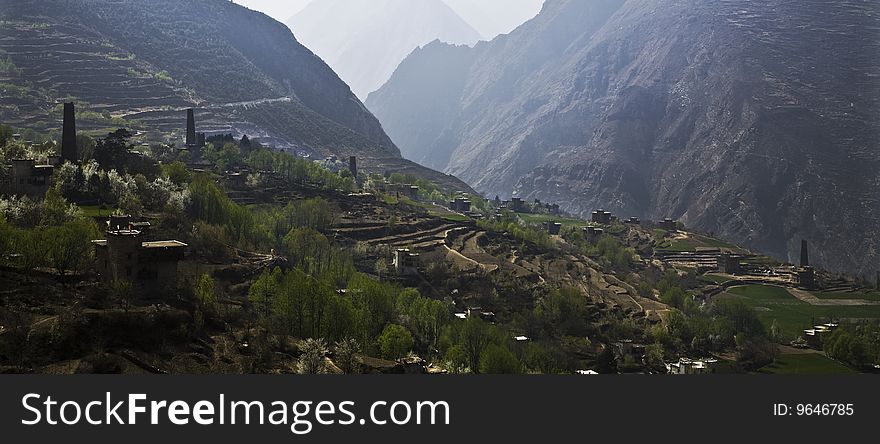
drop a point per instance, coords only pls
(164, 244)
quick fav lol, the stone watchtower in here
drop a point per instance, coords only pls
(805, 254)
(191, 140)
(353, 166)
(69, 150)
(123, 247)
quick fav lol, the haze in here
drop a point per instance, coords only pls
(364, 42)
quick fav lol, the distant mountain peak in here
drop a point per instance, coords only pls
(365, 41)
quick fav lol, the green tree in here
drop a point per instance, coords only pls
(177, 173)
(70, 247)
(206, 291)
(475, 337)
(395, 341)
(497, 360)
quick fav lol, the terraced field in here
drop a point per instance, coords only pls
(140, 64)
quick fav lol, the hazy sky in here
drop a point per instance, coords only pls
(489, 17)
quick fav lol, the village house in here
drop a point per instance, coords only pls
(686, 366)
(668, 225)
(517, 205)
(728, 263)
(553, 228)
(124, 255)
(460, 204)
(806, 277)
(815, 336)
(601, 217)
(592, 233)
(28, 178)
(405, 262)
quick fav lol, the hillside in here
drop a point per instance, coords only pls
(365, 41)
(243, 72)
(753, 120)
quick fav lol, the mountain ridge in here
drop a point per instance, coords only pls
(751, 120)
(124, 71)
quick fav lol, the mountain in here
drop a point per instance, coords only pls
(140, 64)
(493, 17)
(753, 120)
(365, 41)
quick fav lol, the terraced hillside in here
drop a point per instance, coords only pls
(141, 64)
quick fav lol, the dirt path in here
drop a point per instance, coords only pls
(813, 300)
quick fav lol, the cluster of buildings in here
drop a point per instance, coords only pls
(460, 204)
(815, 336)
(686, 366)
(518, 205)
(31, 178)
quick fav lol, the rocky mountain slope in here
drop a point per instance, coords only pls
(754, 120)
(365, 41)
(140, 64)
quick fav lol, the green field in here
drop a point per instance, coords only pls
(96, 211)
(867, 295)
(806, 364)
(792, 315)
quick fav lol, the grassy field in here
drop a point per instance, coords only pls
(806, 364)
(791, 314)
(868, 295)
(96, 211)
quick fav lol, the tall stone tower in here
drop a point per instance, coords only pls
(69, 151)
(805, 254)
(191, 140)
(353, 166)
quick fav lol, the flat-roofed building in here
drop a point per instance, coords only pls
(124, 255)
(29, 178)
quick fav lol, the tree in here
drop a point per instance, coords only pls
(497, 360)
(381, 267)
(395, 341)
(56, 210)
(456, 359)
(475, 337)
(346, 355)
(31, 246)
(70, 247)
(263, 291)
(177, 173)
(206, 292)
(311, 358)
